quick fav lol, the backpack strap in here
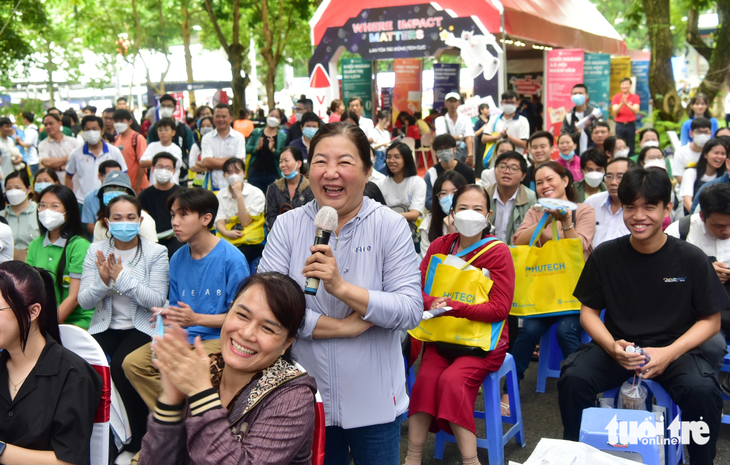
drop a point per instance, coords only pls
(684, 224)
(134, 143)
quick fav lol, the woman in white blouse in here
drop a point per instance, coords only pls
(710, 165)
(381, 139)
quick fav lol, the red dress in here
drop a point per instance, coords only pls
(446, 389)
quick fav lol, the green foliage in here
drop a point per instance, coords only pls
(662, 126)
(28, 21)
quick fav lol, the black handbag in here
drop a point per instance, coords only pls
(452, 351)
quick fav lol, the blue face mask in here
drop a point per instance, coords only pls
(567, 157)
(123, 230)
(291, 175)
(108, 196)
(39, 186)
(578, 99)
(446, 202)
(309, 132)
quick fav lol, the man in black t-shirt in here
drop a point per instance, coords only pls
(659, 293)
(445, 148)
(154, 200)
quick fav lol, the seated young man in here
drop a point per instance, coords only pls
(445, 148)
(660, 293)
(205, 274)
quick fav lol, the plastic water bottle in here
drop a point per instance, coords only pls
(640, 351)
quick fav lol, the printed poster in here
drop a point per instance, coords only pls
(564, 69)
(407, 89)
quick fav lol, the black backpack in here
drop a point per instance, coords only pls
(684, 224)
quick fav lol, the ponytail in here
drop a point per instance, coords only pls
(48, 318)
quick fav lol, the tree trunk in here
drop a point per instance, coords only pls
(238, 83)
(270, 85)
(186, 44)
(49, 69)
(661, 78)
(720, 59)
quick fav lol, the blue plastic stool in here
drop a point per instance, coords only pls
(593, 432)
(548, 365)
(673, 453)
(492, 415)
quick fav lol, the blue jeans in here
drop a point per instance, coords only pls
(261, 180)
(370, 445)
(34, 169)
(568, 333)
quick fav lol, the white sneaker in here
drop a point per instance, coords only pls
(125, 458)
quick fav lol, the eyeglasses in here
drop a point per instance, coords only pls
(609, 177)
(511, 168)
(52, 206)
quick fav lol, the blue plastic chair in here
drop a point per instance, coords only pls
(673, 453)
(492, 415)
(593, 432)
(726, 368)
(410, 381)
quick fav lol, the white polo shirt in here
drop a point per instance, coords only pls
(698, 236)
(156, 147)
(517, 127)
(366, 124)
(49, 148)
(609, 225)
(215, 146)
(85, 167)
(462, 127)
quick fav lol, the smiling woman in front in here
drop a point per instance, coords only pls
(370, 290)
(248, 404)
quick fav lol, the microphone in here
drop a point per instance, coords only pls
(325, 222)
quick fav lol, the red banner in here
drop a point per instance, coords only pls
(407, 89)
(564, 70)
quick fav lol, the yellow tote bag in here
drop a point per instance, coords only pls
(546, 276)
(468, 286)
(252, 234)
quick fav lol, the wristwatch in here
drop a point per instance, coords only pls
(2, 448)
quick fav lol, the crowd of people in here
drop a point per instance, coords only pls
(208, 225)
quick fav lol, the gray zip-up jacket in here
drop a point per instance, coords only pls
(361, 379)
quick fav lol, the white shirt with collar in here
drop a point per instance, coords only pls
(366, 124)
(49, 148)
(502, 214)
(609, 225)
(698, 236)
(462, 127)
(85, 166)
(215, 146)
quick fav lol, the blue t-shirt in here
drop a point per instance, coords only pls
(91, 207)
(209, 284)
(686, 138)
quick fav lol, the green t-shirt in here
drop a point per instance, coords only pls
(48, 256)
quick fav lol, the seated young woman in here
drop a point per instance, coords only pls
(446, 388)
(248, 404)
(49, 395)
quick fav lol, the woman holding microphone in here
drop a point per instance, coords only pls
(370, 289)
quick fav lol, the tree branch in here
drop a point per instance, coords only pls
(285, 36)
(237, 21)
(693, 35)
(216, 26)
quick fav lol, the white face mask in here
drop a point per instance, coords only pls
(701, 139)
(273, 122)
(445, 156)
(593, 178)
(509, 109)
(163, 176)
(92, 137)
(16, 196)
(470, 223)
(166, 112)
(120, 127)
(650, 143)
(204, 131)
(621, 153)
(51, 219)
(234, 178)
